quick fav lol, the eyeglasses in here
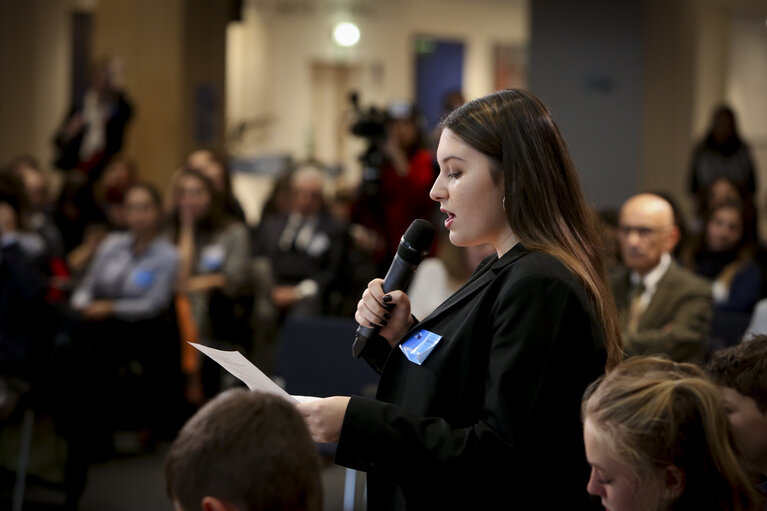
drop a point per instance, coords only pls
(643, 232)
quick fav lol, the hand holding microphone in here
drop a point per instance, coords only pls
(373, 311)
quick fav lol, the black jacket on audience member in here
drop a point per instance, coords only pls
(319, 258)
(22, 312)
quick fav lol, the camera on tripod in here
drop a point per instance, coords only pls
(370, 124)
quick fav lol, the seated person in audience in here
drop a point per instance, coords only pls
(306, 247)
(725, 256)
(31, 242)
(40, 217)
(214, 270)
(22, 291)
(216, 167)
(244, 451)
(663, 307)
(720, 191)
(93, 212)
(657, 438)
(741, 373)
(124, 301)
(133, 273)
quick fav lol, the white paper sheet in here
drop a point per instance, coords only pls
(241, 368)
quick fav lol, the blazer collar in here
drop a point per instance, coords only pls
(485, 273)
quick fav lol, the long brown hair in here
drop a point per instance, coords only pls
(650, 413)
(544, 203)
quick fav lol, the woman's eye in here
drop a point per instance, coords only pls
(454, 175)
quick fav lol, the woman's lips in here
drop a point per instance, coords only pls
(449, 220)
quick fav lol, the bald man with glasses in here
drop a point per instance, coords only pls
(664, 308)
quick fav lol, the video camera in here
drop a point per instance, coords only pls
(370, 124)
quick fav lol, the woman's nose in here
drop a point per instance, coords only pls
(437, 192)
(593, 487)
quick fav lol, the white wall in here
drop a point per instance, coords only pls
(34, 66)
(586, 66)
(272, 50)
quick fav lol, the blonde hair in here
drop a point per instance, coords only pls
(653, 413)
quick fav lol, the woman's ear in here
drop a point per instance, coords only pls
(674, 482)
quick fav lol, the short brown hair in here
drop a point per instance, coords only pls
(249, 449)
(743, 368)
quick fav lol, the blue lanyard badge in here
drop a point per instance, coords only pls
(143, 278)
(419, 345)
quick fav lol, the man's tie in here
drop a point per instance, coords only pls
(635, 306)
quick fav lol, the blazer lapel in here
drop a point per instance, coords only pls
(658, 307)
(479, 280)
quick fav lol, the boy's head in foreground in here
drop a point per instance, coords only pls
(741, 372)
(244, 451)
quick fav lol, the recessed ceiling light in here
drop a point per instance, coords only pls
(346, 34)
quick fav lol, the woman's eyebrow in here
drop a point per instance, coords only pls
(451, 157)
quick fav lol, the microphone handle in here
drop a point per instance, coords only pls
(398, 277)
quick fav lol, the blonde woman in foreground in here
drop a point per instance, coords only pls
(657, 438)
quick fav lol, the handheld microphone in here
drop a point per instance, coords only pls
(413, 246)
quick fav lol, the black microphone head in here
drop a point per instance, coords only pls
(416, 241)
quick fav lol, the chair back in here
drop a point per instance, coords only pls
(314, 358)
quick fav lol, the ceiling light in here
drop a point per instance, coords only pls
(346, 34)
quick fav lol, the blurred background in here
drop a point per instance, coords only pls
(267, 86)
(631, 83)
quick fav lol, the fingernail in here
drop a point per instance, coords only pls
(387, 298)
(387, 315)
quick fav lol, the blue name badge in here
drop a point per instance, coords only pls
(419, 345)
(143, 278)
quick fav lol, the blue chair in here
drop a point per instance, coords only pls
(314, 358)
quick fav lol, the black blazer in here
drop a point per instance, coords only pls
(493, 414)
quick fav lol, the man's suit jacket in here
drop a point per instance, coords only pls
(677, 320)
(321, 261)
(493, 414)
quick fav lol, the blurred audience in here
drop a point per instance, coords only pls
(681, 223)
(133, 273)
(279, 200)
(721, 191)
(123, 367)
(724, 254)
(397, 194)
(25, 326)
(94, 128)
(722, 154)
(86, 213)
(306, 248)
(216, 168)
(663, 307)
(214, 272)
(40, 213)
(608, 223)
